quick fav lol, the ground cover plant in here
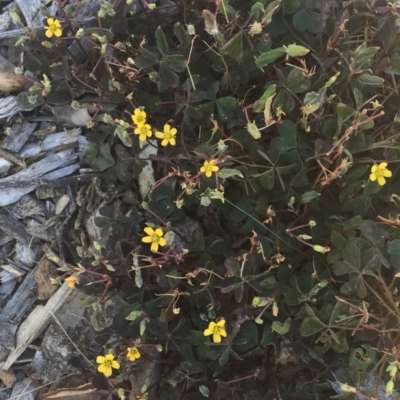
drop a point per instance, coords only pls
(273, 220)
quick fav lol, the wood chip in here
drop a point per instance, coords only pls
(21, 301)
(44, 271)
(36, 323)
(14, 228)
(8, 378)
(20, 135)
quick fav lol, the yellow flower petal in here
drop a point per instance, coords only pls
(109, 357)
(159, 135)
(50, 21)
(381, 180)
(372, 177)
(159, 232)
(58, 32)
(172, 141)
(115, 365)
(162, 242)
(382, 165)
(217, 337)
(107, 371)
(147, 239)
(374, 168)
(100, 359)
(212, 325)
(154, 247)
(173, 132)
(222, 332)
(208, 174)
(214, 168)
(49, 33)
(149, 231)
(221, 323)
(208, 332)
(203, 169)
(386, 173)
(164, 142)
(167, 128)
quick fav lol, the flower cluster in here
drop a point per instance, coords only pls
(143, 129)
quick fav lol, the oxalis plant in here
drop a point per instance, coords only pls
(273, 220)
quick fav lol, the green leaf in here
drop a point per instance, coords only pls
(267, 179)
(352, 255)
(284, 100)
(370, 231)
(269, 11)
(197, 241)
(338, 240)
(100, 32)
(297, 82)
(234, 47)
(124, 136)
(364, 54)
(226, 107)
(253, 130)
(310, 326)
(393, 248)
(305, 20)
(175, 62)
(370, 80)
(180, 32)
(309, 196)
(281, 328)
(259, 105)
(294, 50)
(167, 78)
(256, 10)
(269, 57)
(228, 173)
(343, 267)
(161, 41)
(287, 139)
(290, 6)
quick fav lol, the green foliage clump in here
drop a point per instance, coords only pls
(273, 221)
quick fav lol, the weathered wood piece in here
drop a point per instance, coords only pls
(53, 166)
(21, 302)
(24, 390)
(8, 105)
(21, 134)
(12, 227)
(37, 322)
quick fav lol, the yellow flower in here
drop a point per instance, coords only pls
(155, 238)
(144, 131)
(71, 280)
(106, 364)
(53, 28)
(132, 353)
(217, 330)
(379, 173)
(209, 167)
(168, 135)
(139, 117)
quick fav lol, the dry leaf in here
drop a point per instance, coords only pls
(9, 80)
(267, 109)
(211, 22)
